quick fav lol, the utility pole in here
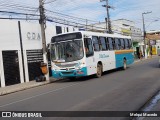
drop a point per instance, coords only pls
(86, 24)
(42, 22)
(108, 21)
(144, 33)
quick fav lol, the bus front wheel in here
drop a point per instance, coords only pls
(72, 78)
(99, 70)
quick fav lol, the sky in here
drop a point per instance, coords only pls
(93, 10)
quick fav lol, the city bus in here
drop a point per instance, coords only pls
(85, 53)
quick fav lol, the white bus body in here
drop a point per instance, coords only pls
(86, 53)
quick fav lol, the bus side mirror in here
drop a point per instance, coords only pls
(48, 47)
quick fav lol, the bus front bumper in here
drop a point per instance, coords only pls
(70, 73)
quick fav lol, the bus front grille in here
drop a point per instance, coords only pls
(66, 65)
(67, 73)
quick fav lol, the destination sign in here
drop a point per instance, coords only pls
(65, 37)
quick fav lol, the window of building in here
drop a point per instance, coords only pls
(96, 43)
(67, 29)
(58, 29)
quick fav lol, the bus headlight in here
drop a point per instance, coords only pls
(79, 65)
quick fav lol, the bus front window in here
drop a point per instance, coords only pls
(67, 51)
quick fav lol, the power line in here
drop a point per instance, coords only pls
(10, 3)
(55, 19)
(62, 21)
(17, 18)
(49, 2)
(71, 23)
(18, 13)
(17, 2)
(17, 5)
(83, 19)
(75, 5)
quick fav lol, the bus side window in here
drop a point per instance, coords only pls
(103, 43)
(126, 43)
(113, 42)
(110, 43)
(96, 43)
(130, 43)
(117, 43)
(88, 47)
(122, 44)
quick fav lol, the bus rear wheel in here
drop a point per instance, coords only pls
(124, 64)
(99, 70)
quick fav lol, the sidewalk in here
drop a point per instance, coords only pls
(22, 86)
(31, 84)
(138, 60)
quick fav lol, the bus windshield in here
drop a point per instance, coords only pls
(67, 51)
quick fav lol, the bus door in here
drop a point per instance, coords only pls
(90, 61)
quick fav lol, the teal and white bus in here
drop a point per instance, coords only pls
(85, 53)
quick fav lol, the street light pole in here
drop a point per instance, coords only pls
(144, 33)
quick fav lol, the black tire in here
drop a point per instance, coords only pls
(72, 78)
(99, 70)
(124, 64)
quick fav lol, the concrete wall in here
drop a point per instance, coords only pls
(25, 50)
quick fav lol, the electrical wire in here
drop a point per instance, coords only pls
(50, 2)
(62, 21)
(18, 13)
(17, 18)
(73, 17)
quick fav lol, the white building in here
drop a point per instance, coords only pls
(153, 38)
(124, 27)
(21, 49)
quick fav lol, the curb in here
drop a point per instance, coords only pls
(21, 88)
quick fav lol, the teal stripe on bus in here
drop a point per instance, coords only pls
(120, 57)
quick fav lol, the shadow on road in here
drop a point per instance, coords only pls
(91, 77)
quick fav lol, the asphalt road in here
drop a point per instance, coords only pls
(116, 90)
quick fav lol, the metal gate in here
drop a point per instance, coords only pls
(49, 63)
(34, 59)
(11, 67)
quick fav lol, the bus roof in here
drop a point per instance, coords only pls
(97, 34)
(104, 34)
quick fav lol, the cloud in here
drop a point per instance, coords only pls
(92, 9)
(133, 10)
(126, 9)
